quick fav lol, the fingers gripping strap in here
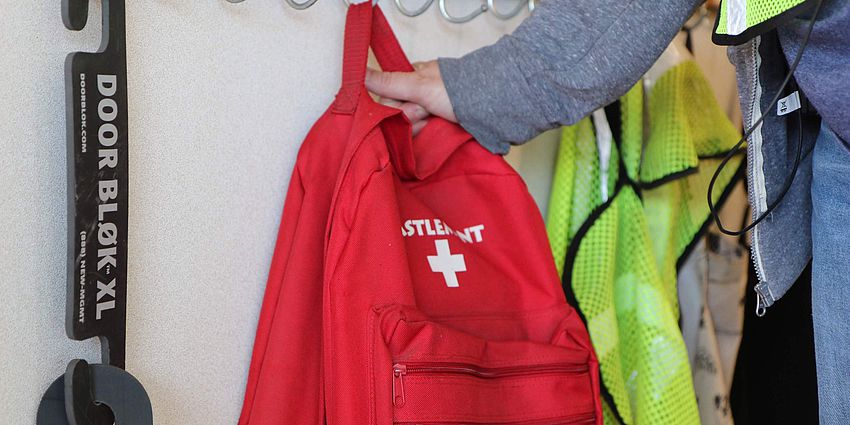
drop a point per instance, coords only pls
(366, 25)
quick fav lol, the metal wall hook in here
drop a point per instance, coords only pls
(414, 13)
(300, 6)
(292, 3)
(491, 4)
(488, 5)
(462, 19)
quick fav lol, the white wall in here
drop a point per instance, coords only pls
(220, 97)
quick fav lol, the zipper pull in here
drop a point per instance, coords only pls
(761, 308)
(399, 370)
(762, 300)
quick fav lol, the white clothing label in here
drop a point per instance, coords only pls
(788, 104)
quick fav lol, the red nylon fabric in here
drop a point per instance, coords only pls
(412, 279)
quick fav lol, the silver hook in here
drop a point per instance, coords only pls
(300, 6)
(531, 5)
(292, 3)
(463, 19)
(407, 12)
(491, 4)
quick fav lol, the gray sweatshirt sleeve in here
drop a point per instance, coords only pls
(567, 59)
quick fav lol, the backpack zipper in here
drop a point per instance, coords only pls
(402, 370)
(588, 418)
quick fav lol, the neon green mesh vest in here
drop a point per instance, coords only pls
(619, 257)
(739, 21)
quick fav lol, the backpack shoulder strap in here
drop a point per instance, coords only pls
(366, 25)
(358, 34)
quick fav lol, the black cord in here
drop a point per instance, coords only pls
(788, 180)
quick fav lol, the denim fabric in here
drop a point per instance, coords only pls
(831, 275)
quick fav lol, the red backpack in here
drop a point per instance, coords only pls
(412, 281)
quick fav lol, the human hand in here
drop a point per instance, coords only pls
(418, 94)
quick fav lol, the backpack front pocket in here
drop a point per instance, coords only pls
(437, 374)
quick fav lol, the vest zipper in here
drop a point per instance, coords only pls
(402, 370)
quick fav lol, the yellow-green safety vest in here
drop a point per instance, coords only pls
(617, 240)
(739, 21)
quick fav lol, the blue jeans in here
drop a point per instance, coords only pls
(831, 275)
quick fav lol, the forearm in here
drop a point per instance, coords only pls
(569, 58)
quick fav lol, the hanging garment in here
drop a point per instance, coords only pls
(675, 178)
(775, 377)
(711, 292)
(418, 286)
(620, 254)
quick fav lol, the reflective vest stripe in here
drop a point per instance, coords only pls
(736, 22)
